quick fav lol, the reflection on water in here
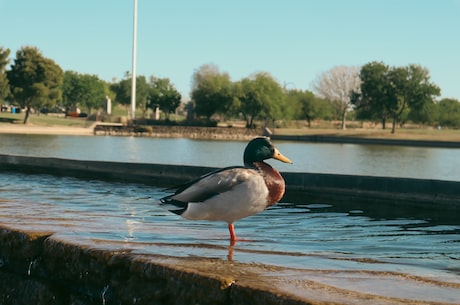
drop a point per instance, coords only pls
(373, 160)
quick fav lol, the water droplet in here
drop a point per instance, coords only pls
(104, 291)
(31, 264)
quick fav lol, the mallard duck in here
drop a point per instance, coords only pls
(232, 193)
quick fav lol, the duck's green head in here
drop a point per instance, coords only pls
(260, 149)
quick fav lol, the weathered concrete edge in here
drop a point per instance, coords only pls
(44, 268)
(299, 186)
(40, 268)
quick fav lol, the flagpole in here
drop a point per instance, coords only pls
(133, 82)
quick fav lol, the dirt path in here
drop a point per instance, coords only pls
(51, 130)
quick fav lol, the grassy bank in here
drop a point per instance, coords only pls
(428, 134)
(401, 133)
(43, 120)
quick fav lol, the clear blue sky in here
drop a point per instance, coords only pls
(293, 40)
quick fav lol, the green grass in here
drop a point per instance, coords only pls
(368, 130)
(401, 133)
(293, 129)
(43, 120)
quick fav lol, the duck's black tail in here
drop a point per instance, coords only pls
(172, 205)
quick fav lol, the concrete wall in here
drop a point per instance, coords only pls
(213, 133)
(300, 187)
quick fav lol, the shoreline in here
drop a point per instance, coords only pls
(367, 141)
(313, 136)
(45, 130)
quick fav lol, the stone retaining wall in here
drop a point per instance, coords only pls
(212, 133)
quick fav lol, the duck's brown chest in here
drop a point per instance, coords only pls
(274, 182)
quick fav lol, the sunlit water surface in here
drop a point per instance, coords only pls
(318, 236)
(385, 248)
(373, 160)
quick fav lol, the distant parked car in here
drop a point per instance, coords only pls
(75, 114)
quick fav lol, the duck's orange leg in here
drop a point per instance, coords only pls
(231, 229)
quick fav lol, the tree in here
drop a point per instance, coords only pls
(337, 86)
(424, 114)
(163, 94)
(4, 61)
(371, 99)
(142, 93)
(212, 91)
(293, 104)
(422, 103)
(307, 105)
(122, 91)
(449, 112)
(35, 81)
(409, 87)
(392, 92)
(260, 97)
(83, 90)
(94, 96)
(70, 94)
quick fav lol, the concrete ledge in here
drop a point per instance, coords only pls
(43, 269)
(317, 187)
(435, 194)
(49, 269)
(151, 174)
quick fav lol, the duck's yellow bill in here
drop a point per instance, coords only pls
(279, 156)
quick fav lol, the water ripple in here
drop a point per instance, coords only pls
(306, 235)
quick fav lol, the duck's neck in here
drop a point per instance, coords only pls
(273, 180)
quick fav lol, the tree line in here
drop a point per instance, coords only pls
(374, 92)
(35, 82)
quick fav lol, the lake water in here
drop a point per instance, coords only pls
(407, 254)
(373, 160)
